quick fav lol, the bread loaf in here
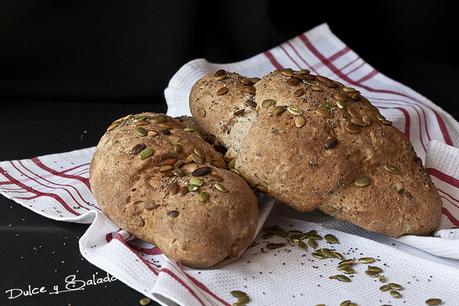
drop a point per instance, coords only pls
(155, 176)
(313, 143)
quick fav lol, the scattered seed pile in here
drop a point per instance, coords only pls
(321, 247)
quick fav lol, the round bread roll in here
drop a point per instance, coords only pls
(155, 177)
(311, 142)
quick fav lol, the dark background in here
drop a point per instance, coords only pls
(69, 68)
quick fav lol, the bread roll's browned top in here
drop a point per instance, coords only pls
(151, 195)
(313, 143)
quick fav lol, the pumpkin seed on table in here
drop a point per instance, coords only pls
(314, 235)
(222, 91)
(241, 296)
(385, 288)
(144, 301)
(302, 245)
(273, 246)
(141, 131)
(329, 238)
(341, 278)
(348, 303)
(313, 243)
(347, 262)
(146, 153)
(366, 260)
(434, 302)
(362, 181)
(318, 255)
(395, 286)
(338, 255)
(382, 278)
(395, 294)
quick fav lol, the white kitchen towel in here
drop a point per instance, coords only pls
(57, 186)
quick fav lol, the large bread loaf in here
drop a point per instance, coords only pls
(313, 143)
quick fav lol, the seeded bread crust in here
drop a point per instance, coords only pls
(323, 145)
(150, 198)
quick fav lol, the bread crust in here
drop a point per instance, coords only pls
(145, 198)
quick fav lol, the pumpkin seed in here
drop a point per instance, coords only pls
(327, 252)
(395, 286)
(146, 153)
(220, 74)
(254, 80)
(347, 262)
(231, 163)
(293, 81)
(330, 143)
(341, 278)
(287, 71)
(338, 255)
(372, 273)
(385, 288)
(340, 104)
(304, 71)
(434, 302)
(366, 260)
(353, 128)
(316, 88)
(165, 168)
(318, 255)
(353, 112)
(329, 238)
(203, 196)
(179, 172)
(362, 181)
(268, 103)
(302, 245)
(272, 246)
(320, 305)
(196, 158)
(144, 301)
(313, 243)
(380, 117)
(196, 181)
(382, 278)
(173, 214)
(141, 131)
(201, 112)
(193, 187)
(173, 188)
(190, 129)
(201, 171)
(299, 121)
(391, 168)
(251, 103)
(395, 294)
(374, 269)
(323, 112)
(262, 188)
(239, 112)
(299, 92)
(279, 110)
(294, 111)
(348, 270)
(340, 97)
(348, 89)
(220, 187)
(241, 296)
(138, 148)
(387, 122)
(222, 91)
(345, 303)
(366, 119)
(314, 235)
